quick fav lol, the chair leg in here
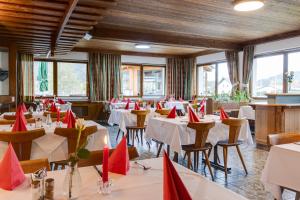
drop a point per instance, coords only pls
(128, 135)
(189, 160)
(142, 133)
(225, 160)
(159, 150)
(133, 134)
(118, 135)
(297, 196)
(208, 164)
(241, 157)
(195, 161)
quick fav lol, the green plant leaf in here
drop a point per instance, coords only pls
(83, 153)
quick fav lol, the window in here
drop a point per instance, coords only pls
(224, 84)
(267, 75)
(206, 80)
(130, 77)
(294, 66)
(43, 78)
(213, 79)
(71, 79)
(153, 83)
(153, 80)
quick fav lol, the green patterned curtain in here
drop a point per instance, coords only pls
(42, 76)
(181, 77)
(104, 76)
(232, 58)
(25, 78)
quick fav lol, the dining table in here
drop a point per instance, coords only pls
(55, 147)
(180, 105)
(137, 184)
(281, 169)
(121, 105)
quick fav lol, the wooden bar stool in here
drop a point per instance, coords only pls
(72, 134)
(200, 145)
(234, 132)
(139, 127)
(22, 141)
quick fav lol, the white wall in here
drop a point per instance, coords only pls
(4, 85)
(143, 60)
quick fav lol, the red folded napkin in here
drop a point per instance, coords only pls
(20, 123)
(11, 172)
(60, 101)
(172, 114)
(127, 105)
(158, 106)
(71, 120)
(65, 121)
(223, 114)
(118, 161)
(136, 106)
(58, 115)
(53, 108)
(112, 100)
(24, 109)
(173, 187)
(192, 116)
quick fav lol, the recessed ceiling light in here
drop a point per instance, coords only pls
(247, 5)
(142, 46)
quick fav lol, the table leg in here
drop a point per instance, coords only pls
(168, 150)
(175, 159)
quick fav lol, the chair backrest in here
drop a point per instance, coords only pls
(13, 117)
(96, 157)
(202, 130)
(72, 134)
(30, 166)
(6, 122)
(22, 141)
(283, 138)
(140, 116)
(234, 128)
(54, 114)
(163, 111)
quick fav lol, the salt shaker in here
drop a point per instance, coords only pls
(49, 189)
(35, 190)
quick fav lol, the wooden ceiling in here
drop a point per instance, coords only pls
(171, 26)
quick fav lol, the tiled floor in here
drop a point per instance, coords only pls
(248, 186)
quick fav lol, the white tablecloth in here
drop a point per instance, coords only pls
(124, 118)
(246, 112)
(138, 184)
(175, 132)
(179, 104)
(55, 147)
(282, 169)
(121, 105)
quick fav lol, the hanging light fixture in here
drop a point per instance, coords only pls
(247, 5)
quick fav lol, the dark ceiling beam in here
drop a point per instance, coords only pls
(155, 38)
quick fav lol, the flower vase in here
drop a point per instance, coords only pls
(289, 86)
(72, 182)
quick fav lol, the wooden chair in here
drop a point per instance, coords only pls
(53, 115)
(283, 138)
(139, 127)
(72, 134)
(30, 166)
(163, 112)
(13, 117)
(22, 141)
(11, 122)
(200, 145)
(234, 132)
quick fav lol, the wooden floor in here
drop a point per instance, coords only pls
(248, 186)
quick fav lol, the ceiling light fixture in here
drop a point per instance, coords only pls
(142, 46)
(248, 5)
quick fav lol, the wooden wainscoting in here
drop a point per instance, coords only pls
(90, 110)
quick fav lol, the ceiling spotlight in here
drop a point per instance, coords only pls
(142, 46)
(248, 5)
(87, 36)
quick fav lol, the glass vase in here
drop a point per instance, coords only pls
(72, 182)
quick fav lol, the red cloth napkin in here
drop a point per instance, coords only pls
(112, 100)
(127, 105)
(60, 101)
(173, 187)
(58, 115)
(53, 108)
(158, 106)
(20, 123)
(192, 116)
(71, 120)
(118, 161)
(136, 106)
(223, 114)
(65, 121)
(24, 109)
(172, 114)
(11, 172)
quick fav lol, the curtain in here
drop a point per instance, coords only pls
(232, 58)
(25, 75)
(104, 76)
(181, 77)
(42, 76)
(247, 67)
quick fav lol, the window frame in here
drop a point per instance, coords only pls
(55, 78)
(216, 75)
(141, 92)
